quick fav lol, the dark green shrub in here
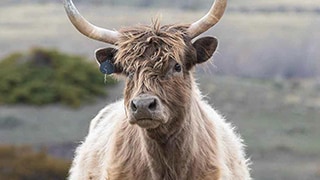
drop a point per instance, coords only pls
(48, 76)
(23, 163)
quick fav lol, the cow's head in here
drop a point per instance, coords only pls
(156, 61)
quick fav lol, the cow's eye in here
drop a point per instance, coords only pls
(177, 67)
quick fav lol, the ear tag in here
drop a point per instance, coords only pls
(107, 67)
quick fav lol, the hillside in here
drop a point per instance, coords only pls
(256, 38)
(280, 5)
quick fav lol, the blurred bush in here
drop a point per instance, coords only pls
(47, 76)
(24, 163)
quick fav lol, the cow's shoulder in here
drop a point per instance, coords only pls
(108, 115)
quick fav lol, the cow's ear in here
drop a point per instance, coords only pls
(205, 48)
(105, 59)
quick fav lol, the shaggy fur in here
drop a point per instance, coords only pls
(194, 144)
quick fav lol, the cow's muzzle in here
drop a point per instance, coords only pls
(146, 111)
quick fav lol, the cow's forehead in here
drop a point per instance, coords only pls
(154, 44)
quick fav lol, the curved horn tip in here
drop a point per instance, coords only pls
(88, 29)
(209, 20)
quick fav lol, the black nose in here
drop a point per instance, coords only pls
(144, 105)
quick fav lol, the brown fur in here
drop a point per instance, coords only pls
(195, 143)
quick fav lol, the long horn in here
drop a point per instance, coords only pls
(209, 20)
(87, 28)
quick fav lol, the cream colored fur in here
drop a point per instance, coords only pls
(96, 158)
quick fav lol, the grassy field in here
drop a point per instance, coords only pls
(279, 120)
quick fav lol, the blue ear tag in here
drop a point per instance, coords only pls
(107, 67)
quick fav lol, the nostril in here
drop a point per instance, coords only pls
(153, 105)
(144, 105)
(133, 106)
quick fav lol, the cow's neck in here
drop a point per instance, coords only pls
(171, 152)
(168, 156)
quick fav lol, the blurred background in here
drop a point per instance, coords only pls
(265, 79)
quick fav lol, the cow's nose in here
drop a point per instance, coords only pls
(144, 105)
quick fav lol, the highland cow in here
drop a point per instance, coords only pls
(162, 129)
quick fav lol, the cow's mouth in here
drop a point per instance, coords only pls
(146, 123)
(146, 111)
